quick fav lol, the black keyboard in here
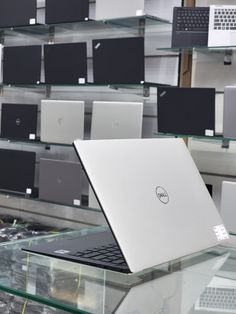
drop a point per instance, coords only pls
(107, 253)
(225, 19)
(192, 19)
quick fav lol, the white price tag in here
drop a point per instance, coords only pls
(32, 21)
(77, 202)
(81, 80)
(209, 132)
(139, 12)
(28, 191)
(32, 136)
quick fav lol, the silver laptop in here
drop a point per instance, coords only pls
(60, 181)
(229, 125)
(111, 9)
(222, 26)
(228, 208)
(154, 200)
(115, 120)
(62, 121)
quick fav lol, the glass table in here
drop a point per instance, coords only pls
(180, 287)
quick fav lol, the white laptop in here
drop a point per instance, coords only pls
(62, 121)
(155, 202)
(222, 26)
(228, 205)
(115, 120)
(229, 125)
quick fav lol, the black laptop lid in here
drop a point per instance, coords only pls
(65, 63)
(18, 121)
(17, 170)
(118, 61)
(22, 65)
(17, 12)
(186, 110)
(60, 11)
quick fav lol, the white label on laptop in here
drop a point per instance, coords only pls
(86, 19)
(139, 12)
(221, 233)
(97, 46)
(61, 252)
(76, 202)
(209, 132)
(32, 21)
(81, 80)
(28, 191)
(32, 136)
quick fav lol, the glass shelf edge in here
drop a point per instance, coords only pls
(197, 137)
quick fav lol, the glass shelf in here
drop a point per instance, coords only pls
(201, 137)
(36, 142)
(134, 22)
(77, 288)
(191, 49)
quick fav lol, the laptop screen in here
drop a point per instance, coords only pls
(186, 110)
(22, 65)
(65, 63)
(59, 11)
(17, 12)
(17, 170)
(118, 61)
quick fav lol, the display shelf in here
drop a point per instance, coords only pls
(191, 49)
(77, 288)
(36, 142)
(133, 22)
(198, 137)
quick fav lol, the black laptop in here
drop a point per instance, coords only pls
(18, 12)
(63, 11)
(118, 61)
(188, 111)
(19, 121)
(65, 63)
(17, 170)
(22, 65)
(190, 27)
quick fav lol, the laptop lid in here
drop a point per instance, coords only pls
(65, 63)
(228, 198)
(112, 120)
(153, 197)
(22, 65)
(118, 60)
(62, 11)
(186, 110)
(62, 121)
(18, 13)
(229, 127)
(60, 181)
(19, 121)
(17, 170)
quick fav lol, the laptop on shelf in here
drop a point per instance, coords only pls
(22, 65)
(60, 181)
(227, 211)
(190, 27)
(189, 111)
(19, 121)
(118, 61)
(17, 170)
(64, 11)
(62, 121)
(155, 202)
(222, 26)
(65, 63)
(229, 127)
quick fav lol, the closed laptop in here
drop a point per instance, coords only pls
(65, 63)
(17, 170)
(188, 111)
(229, 125)
(62, 121)
(19, 121)
(60, 181)
(118, 60)
(62, 11)
(22, 65)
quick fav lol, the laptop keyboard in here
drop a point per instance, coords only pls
(192, 20)
(225, 19)
(218, 298)
(107, 253)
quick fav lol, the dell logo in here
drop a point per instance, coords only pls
(18, 121)
(162, 195)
